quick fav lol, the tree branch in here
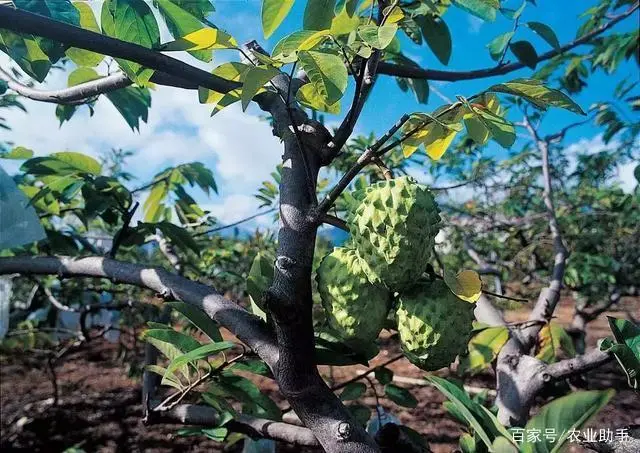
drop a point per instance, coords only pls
(578, 365)
(452, 76)
(193, 414)
(20, 21)
(248, 328)
(550, 296)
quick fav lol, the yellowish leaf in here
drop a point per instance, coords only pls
(437, 147)
(466, 285)
(205, 38)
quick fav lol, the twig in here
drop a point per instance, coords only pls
(126, 220)
(236, 223)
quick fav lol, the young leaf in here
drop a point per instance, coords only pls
(498, 44)
(525, 53)
(260, 277)
(484, 348)
(437, 35)
(199, 353)
(436, 144)
(545, 33)
(199, 319)
(77, 162)
(183, 343)
(19, 152)
(378, 37)
(167, 379)
(563, 416)
(273, 13)
(400, 396)
(181, 21)
(353, 391)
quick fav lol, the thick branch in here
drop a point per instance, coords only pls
(24, 22)
(248, 328)
(193, 414)
(578, 365)
(84, 92)
(414, 72)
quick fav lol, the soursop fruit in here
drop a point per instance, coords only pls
(356, 308)
(434, 325)
(393, 227)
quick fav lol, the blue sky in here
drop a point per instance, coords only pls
(239, 146)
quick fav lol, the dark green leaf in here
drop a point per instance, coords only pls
(384, 375)
(199, 319)
(400, 396)
(545, 33)
(133, 104)
(564, 415)
(318, 14)
(353, 391)
(437, 35)
(525, 53)
(499, 44)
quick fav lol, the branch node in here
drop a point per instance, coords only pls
(343, 432)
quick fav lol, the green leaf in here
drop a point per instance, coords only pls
(199, 353)
(484, 348)
(498, 44)
(501, 129)
(178, 236)
(627, 333)
(77, 163)
(318, 14)
(535, 92)
(255, 79)
(400, 396)
(384, 375)
(183, 343)
(19, 152)
(83, 57)
(514, 13)
(181, 22)
(202, 39)
(484, 9)
(467, 443)
(133, 104)
(554, 340)
(291, 43)
(377, 37)
(327, 74)
(26, 52)
(525, 53)
(199, 319)
(465, 407)
(131, 21)
(153, 204)
(476, 130)
(167, 379)
(82, 75)
(503, 445)
(361, 414)
(564, 415)
(545, 33)
(254, 401)
(438, 38)
(353, 391)
(465, 284)
(60, 10)
(260, 277)
(273, 13)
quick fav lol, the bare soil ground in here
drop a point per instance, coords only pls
(99, 406)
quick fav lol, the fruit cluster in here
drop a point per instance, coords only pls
(393, 225)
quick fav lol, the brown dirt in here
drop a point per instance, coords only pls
(99, 404)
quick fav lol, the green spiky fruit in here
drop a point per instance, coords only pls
(355, 307)
(434, 325)
(393, 227)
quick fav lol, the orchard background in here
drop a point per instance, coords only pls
(177, 175)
